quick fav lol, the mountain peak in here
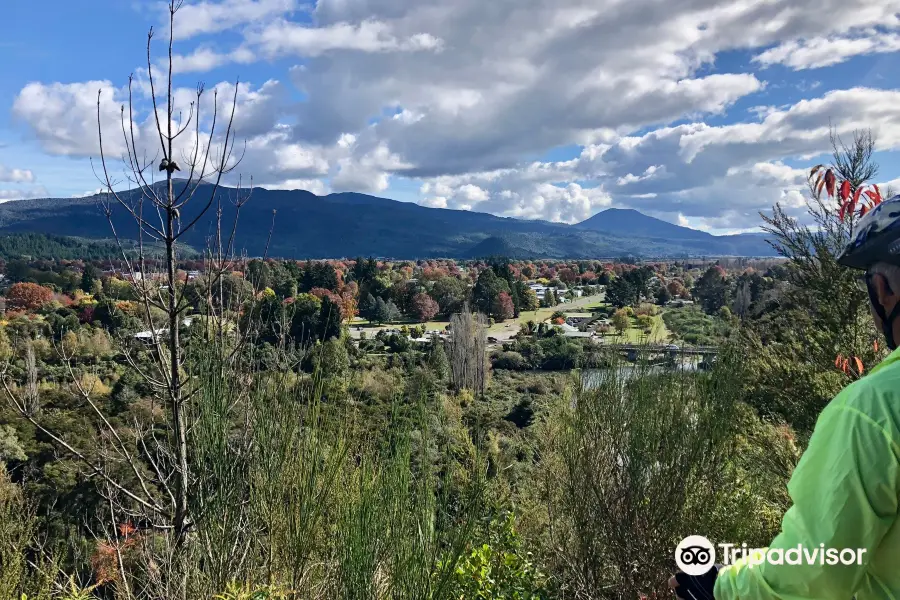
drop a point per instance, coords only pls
(628, 221)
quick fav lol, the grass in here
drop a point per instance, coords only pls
(541, 314)
(659, 333)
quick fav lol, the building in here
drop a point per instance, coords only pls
(578, 319)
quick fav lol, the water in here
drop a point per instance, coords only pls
(591, 377)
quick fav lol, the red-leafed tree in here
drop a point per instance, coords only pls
(503, 307)
(423, 307)
(28, 296)
(567, 275)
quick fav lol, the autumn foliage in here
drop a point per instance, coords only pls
(503, 307)
(850, 201)
(424, 308)
(28, 296)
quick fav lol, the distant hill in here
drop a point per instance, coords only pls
(350, 224)
(621, 220)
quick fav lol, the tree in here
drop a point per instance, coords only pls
(329, 319)
(742, 300)
(364, 271)
(386, 312)
(450, 293)
(620, 292)
(331, 359)
(503, 307)
(305, 319)
(468, 361)
(259, 274)
(676, 288)
(822, 312)
(712, 290)
(550, 298)
(88, 275)
(529, 300)
(620, 321)
(162, 212)
(27, 296)
(663, 295)
(486, 290)
(368, 307)
(567, 276)
(424, 308)
(319, 274)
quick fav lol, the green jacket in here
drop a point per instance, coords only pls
(845, 495)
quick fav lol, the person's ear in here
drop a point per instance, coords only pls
(883, 292)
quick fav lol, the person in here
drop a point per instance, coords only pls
(845, 488)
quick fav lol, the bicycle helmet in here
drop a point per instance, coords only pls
(877, 239)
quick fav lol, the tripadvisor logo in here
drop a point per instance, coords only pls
(695, 555)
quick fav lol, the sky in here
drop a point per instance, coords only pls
(699, 112)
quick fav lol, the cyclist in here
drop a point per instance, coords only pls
(845, 488)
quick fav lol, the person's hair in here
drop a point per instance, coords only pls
(890, 272)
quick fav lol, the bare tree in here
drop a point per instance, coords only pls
(742, 300)
(468, 360)
(163, 212)
(30, 399)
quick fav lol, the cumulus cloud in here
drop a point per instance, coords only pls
(284, 37)
(537, 191)
(467, 98)
(823, 52)
(23, 194)
(205, 59)
(9, 175)
(211, 17)
(63, 116)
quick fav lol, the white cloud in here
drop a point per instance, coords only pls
(651, 172)
(63, 117)
(211, 17)
(822, 52)
(206, 59)
(15, 175)
(284, 37)
(23, 194)
(316, 186)
(467, 97)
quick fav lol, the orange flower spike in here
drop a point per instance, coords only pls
(875, 345)
(859, 365)
(838, 361)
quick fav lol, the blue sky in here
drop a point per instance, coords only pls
(699, 112)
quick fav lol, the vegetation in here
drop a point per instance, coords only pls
(176, 427)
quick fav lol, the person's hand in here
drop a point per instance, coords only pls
(695, 587)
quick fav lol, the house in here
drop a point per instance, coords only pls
(148, 336)
(679, 302)
(578, 319)
(573, 332)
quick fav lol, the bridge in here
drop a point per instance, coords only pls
(671, 350)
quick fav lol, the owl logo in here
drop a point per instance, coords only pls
(695, 555)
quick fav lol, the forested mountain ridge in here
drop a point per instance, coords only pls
(349, 224)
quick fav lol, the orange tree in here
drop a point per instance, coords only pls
(28, 296)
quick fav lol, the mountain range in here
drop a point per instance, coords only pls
(349, 224)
